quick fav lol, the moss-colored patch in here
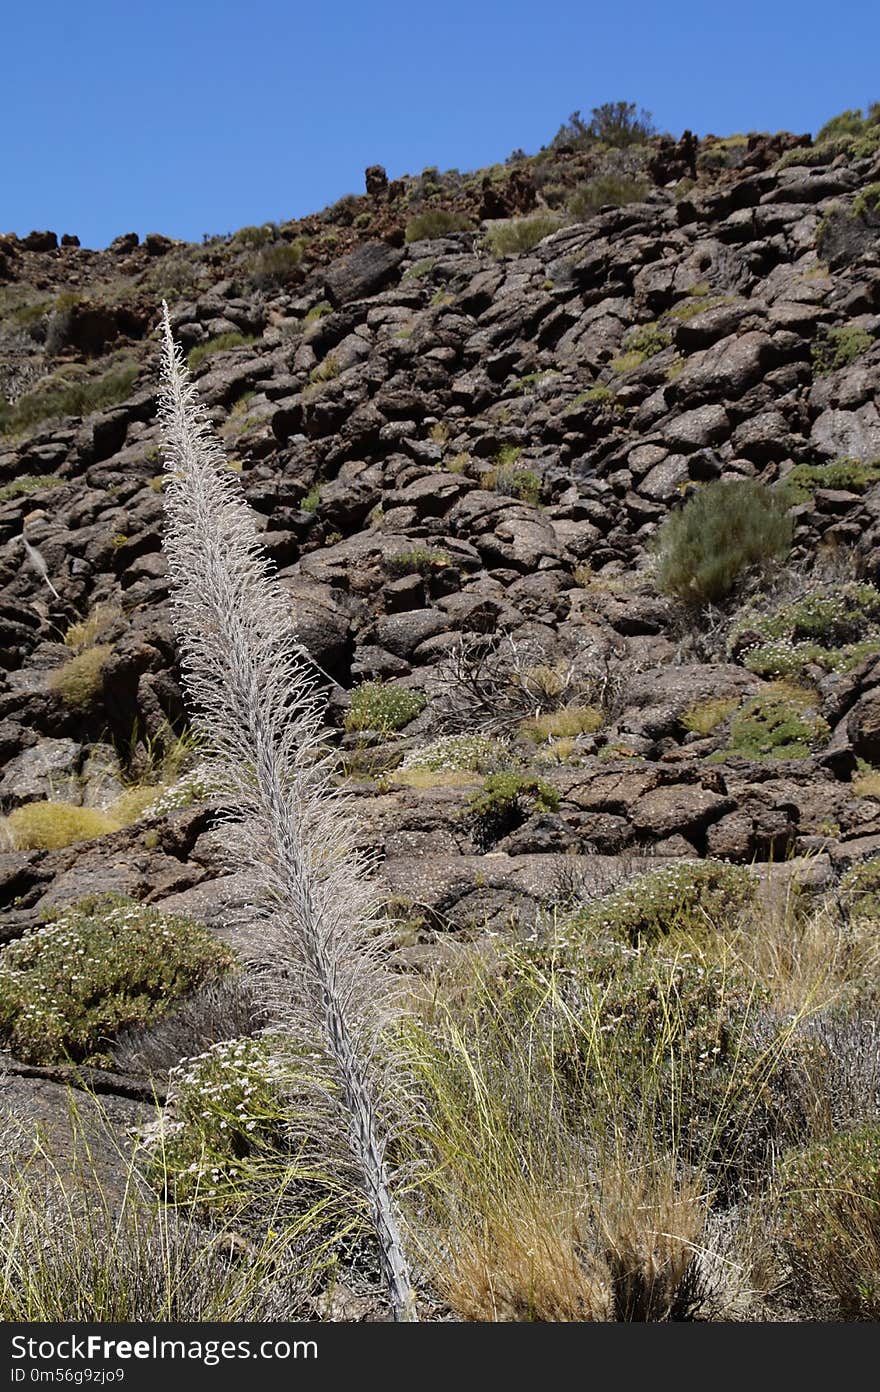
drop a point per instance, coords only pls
(221, 344)
(25, 484)
(834, 628)
(706, 716)
(98, 967)
(312, 500)
(781, 723)
(836, 348)
(851, 475)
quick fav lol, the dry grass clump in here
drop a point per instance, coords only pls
(78, 682)
(86, 632)
(47, 826)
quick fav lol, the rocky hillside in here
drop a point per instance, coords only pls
(460, 446)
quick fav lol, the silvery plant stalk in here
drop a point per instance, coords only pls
(255, 702)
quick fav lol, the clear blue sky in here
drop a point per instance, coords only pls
(193, 117)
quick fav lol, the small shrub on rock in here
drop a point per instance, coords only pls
(421, 560)
(691, 897)
(801, 482)
(505, 801)
(566, 723)
(275, 266)
(520, 234)
(98, 967)
(436, 222)
(725, 531)
(383, 707)
(26, 484)
(608, 190)
(455, 754)
(225, 1118)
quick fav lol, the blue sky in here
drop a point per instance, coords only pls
(197, 117)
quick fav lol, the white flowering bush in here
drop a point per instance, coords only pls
(104, 964)
(834, 628)
(455, 754)
(690, 896)
(225, 1117)
(192, 787)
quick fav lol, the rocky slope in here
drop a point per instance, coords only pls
(459, 460)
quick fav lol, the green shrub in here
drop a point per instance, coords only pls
(721, 534)
(504, 802)
(690, 898)
(26, 484)
(275, 266)
(829, 1224)
(693, 1066)
(847, 123)
(801, 482)
(255, 237)
(220, 344)
(598, 395)
(98, 967)
(318, 311)
(86, 632)
(78, 682)
(383, 707)
(326, 371)
(705, 716)
(779, 724)
(512, 480)
(520, 234)
(835, 348)
(59, 396)
(606, 191)
(619, 124)
(436, 222)
(860, 890)
(312, 500)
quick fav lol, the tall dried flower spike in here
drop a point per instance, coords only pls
(258, 709)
